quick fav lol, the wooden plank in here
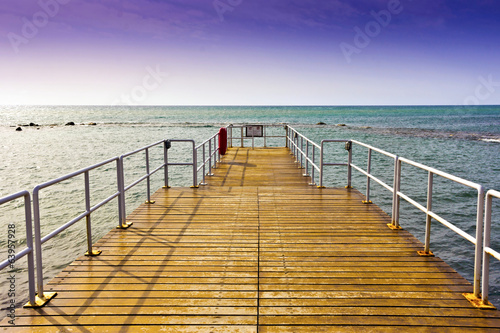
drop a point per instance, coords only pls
(257, 250)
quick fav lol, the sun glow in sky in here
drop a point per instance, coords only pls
(242, 52)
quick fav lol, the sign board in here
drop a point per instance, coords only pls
(255, 131)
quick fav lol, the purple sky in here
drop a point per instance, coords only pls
(238, 52)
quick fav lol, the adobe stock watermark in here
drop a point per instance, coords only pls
(31, 27)
(372, 29)
(223, 6)
(11, 246)
(151, 81)
(484, 90)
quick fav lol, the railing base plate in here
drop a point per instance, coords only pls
(166, 187)
(149, 202)
(425, 254)
(124, 226)
(40, 302)
(478, 302)
(94, 253)
(367, 202)
(393, 227)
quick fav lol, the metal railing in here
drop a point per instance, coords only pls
(193, 163)
(477, 241)
(297, 149)
(147, 176)
(487, 250)
(39, 240)
(305, 156)
(211, 158)
(12, 256)
(242, 138)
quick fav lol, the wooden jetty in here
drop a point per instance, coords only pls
(258, 250)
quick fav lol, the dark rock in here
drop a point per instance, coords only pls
(19, 129)
(92, 124)
(70, 124)
(342, 125)
(33, 124)
(321, 123)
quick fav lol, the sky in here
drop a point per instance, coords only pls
(249, 52)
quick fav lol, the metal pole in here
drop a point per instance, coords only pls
(368, 179)
(307, 162)
(301, 152)
(486, 243)
(349, 168)
(313, 169)
(204, 160)
(430, 185)
(121, 197)
(210, 157)
(395, 197)
(242, 145)
(29, 244)
(166, 147)
(321, 165)
(87, 209)
(149, 201)
(265, 136)
(38, 242)
(479, 242)
(195, 166)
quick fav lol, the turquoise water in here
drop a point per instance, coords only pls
(462, 141)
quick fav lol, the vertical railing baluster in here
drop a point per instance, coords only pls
(479, 242)
(148, 182)
(428, 219)
(368, 179)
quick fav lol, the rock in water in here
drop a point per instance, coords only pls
(70, 124)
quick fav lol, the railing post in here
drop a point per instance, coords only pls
(486, 244)
(122, 213)
(195, 166)
(241, 130)
(90, 252)
(368, 179)
(230, 136)
(148, 183)
(313, 169)
(349, 163)
(307, 161)
(479, 242)
(203, 164)
(166, 146)
(42, 297)
(287, 137)
(38, 242)
(321, 167)
(428, 219)
(29, 244)
(265, 136)
(302, 152)
(210, 157)
(395, 196)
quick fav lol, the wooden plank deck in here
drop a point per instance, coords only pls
(258, 250)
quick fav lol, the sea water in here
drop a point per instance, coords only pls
(463, 141)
